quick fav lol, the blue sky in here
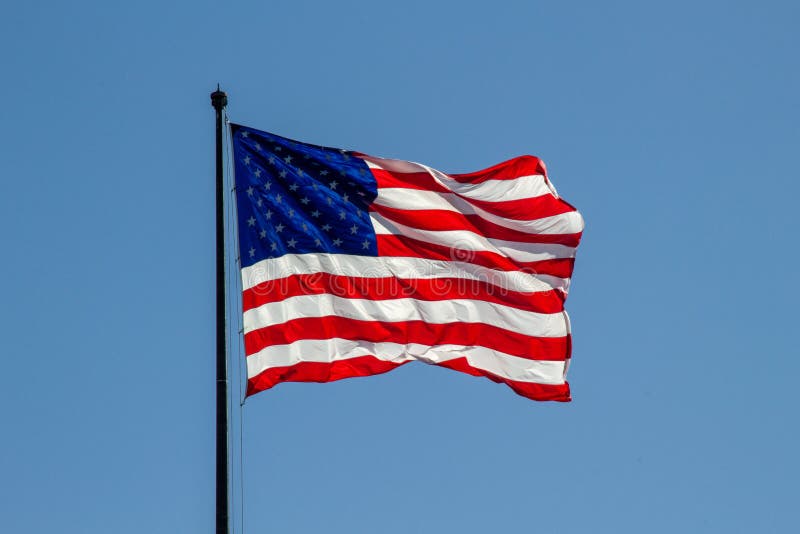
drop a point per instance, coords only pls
(673, 127)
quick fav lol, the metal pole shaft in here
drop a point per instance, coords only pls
(219, 100)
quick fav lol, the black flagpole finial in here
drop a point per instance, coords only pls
(219, 99)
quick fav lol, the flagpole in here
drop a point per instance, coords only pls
(219, 100)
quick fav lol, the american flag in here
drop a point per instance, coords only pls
(353, 265)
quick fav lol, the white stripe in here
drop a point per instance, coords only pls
(396, 267)
(415, 199)
(467, 240)
(492, 190)
(406, 309)
(393, 165)
(336, 349)
(518, 188)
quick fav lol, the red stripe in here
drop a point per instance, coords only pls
(443, 220)
(433, 289)
(524, 209)
(542, 392)
(408, 180)
(467, 334)
(507, 170)
(399, 245)
(319, 372)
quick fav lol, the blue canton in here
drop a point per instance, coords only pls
(297, 198)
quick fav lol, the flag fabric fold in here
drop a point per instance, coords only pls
(353, 265)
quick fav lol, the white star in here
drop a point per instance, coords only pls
(342, 214)
(257, 173)
(272, 160)
(318, 242)
(279, 228)
(273, 246)
(293, 187)
(247, 160)
(267, 186)
(252, 252)
(278, 149)
(269, 214)
(282, 174)
(345, 197)
(305, 227)
(305, 200)
(291, 212)
(245, 134)
(263, 234)
(250, 191)
(354, 229)
(315, 185)
(258, 147)
(333, 185)
(326, 227)
(330, 201)
(300, 173)
(315, 213)
(278, 198)
(337, 242)
(260, 202)
(251, 221)
(323, 172)
(365, 244)
(292, 242)
(288, 159)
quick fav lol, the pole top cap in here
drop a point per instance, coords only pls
(219, 99)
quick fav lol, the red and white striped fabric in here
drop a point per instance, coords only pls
(471, 274)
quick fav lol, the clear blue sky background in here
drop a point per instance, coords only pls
(673, 126)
